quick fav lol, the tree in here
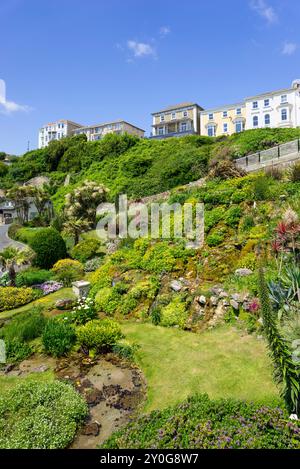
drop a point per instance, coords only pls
(41, 199)
(83, 201)
(3, 169)
(12, 257)
(21, 195)
(74, 227)
(49, 247)
(286, 371)
(2, 155)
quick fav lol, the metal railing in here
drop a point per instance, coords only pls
(262, 158)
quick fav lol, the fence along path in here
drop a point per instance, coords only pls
(281, 154)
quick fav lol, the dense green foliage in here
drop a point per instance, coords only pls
(40, 416)
(12, 297)
(58, 338)
(49, 247)
(67, 271)
(206, 424)
(85, 249)
(25, 326)
(99, 334)
(32, 276)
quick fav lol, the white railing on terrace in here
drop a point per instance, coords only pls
(271, 156)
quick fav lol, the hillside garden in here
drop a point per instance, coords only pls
(213, 331)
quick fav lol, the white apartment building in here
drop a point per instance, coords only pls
(279, 108)
(119, 127)
(55, 131)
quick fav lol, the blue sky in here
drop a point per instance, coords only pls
(92, 61)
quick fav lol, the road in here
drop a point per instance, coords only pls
(5, 241)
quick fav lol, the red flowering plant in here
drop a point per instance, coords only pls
(287, 238)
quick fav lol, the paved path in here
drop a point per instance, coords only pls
(5, 241)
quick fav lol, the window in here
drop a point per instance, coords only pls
(185, 113)
(239, 126)
(238, 111)
(58, 135)
(211, 130)
(283, 99)
(210, 116)
(183, 127)
(266, 102)
(225, 128)
(160, 131)
(254, 105)
(225, 114)
(62, 126)
(173, 115)
(284, 115)
(267, 119)
(255, 121)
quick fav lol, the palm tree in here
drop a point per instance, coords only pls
(12, 257)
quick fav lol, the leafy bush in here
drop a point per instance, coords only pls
(48, 246)
(40, 416)
(202, 423)
(84, 311)
(294, 173)
(174, 314)
(16, 351)
(12, 297)
(67, 271)
(215, 238)
(25, 326)
(58, 338)
(85, 249)
(107, 300)
(92, 264)
(125, 350)
(32, 276)
(261, 188)
(232, 216)
(99, 334)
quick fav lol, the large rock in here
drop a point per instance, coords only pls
(213, 301)
(234, 304)
(176, 285)
(92, 429)
(244, 272)
(201, 300)
(64, 304)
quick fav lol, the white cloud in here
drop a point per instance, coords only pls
(8, 107)
(141, 49)
(264, 10)
(289, 48)
(164, 31)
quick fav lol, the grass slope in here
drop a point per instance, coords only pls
(220, 362)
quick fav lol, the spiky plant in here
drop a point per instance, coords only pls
(286, 372)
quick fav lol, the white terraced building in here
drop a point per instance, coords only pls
(56, 130)
(279, 108)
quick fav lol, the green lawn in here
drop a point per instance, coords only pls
(221, 362)
(45, 301)
(8, 382)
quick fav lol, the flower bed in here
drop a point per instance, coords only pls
(49, 287)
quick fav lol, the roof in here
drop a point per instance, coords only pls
(223, 108)
(62, 120)
(104, 124)
(177, 106)
(283, 90)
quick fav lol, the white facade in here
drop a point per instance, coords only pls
(98, 131)
(274, 109)
(56, 131)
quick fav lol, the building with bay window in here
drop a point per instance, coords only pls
(176, 121)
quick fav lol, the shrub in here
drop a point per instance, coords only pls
(261, 188)
(107, 300)
(248, 261)
(125, 350)
(40, 416)
(174, 314)
(16, 351)
(99, 334)
(215, 238)
(25, 326)
(156, 316)
(247, 223)
(12, 297)
(294, 173)
(84, 311)
(93, 264)
(58, 338)
(232, 216)
(85, 250)
(48, 246)
(32, 276)
(202, 423)
(67, 271)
